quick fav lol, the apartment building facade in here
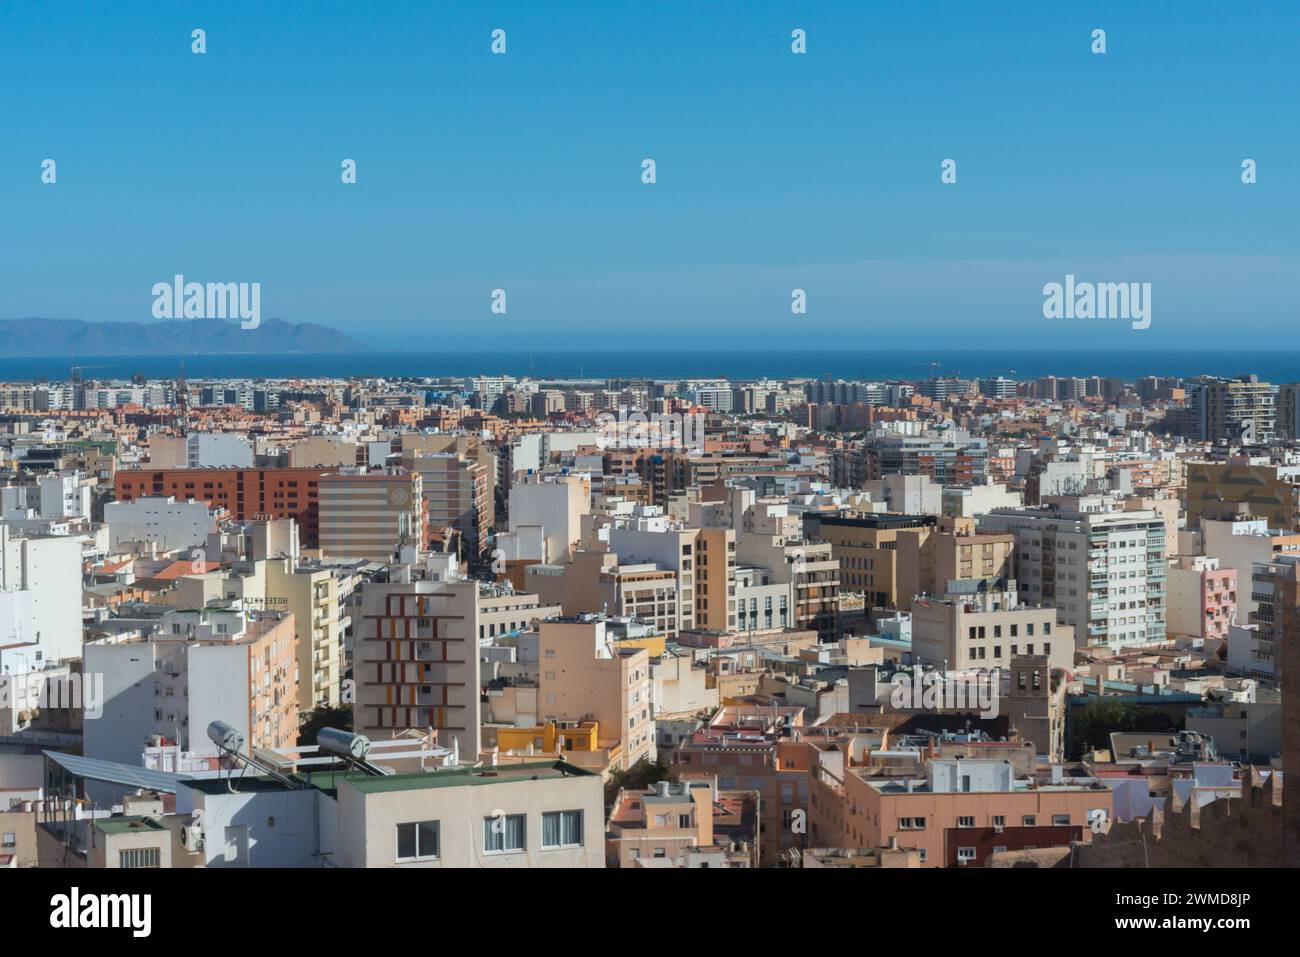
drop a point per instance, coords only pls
(243, 493)
(1104, 570)
(369, 515)
(416, 661)
(532, 814)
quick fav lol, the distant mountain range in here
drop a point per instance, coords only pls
(74, 337)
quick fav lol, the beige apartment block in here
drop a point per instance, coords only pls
(986, 629)
(866, 547)
(325, 451)
(929, 557)
(457, 492)
(809, 571)
(312, 596)
(533, 814)
(129, 842)
(683, 824)
(961, 811)
(503, 612)
(245, 581)
(583, 676)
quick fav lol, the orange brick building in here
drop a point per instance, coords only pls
(244, 493)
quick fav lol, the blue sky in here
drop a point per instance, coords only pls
(775, 171)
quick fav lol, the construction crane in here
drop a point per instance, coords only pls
(75, 371)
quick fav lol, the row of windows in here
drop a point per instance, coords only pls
(1028, 820)
(977, 654)
(502, 834)
(980, 631)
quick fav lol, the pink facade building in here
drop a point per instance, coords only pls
(1202, 598)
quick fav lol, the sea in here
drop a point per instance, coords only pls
(1270, 366)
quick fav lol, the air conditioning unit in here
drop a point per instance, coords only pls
(998, 828)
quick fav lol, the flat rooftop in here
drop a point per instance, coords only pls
(466, 777)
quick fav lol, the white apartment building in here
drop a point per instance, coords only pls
(536, 814)
(61, 495)
(40, 599)
(552, 510)
(1104, 570)
(64, 495)
(161, 521)
(218, 450)
(212, 664)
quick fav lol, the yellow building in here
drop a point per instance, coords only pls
(551, 738)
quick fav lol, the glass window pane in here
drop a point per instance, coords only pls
(428, 838)
(406, 840)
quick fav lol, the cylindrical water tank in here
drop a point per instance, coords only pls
(344, 744)
(224, 736)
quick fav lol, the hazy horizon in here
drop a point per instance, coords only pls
(776, 171)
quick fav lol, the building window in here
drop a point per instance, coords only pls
(999, 820)
(911, 824)
(138, 857)
(10, 839)
(1029, 820)
(965, 822)
(1060, 820)
(503, 833)
(965, 855)
(562, 829)
(417, 841)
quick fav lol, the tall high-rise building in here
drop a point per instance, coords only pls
(998, 388)
(1104, 569)
(1234, 410)
(1288, 411)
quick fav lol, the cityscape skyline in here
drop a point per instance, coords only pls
(560, 439)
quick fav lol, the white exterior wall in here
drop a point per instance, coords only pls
(123, 729)
(557, 507)
(164, 521)
(63, 496)
(40, 597)
(218, 450)
(217, 676)
(276, 828)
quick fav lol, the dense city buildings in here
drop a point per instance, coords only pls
(840, 624)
